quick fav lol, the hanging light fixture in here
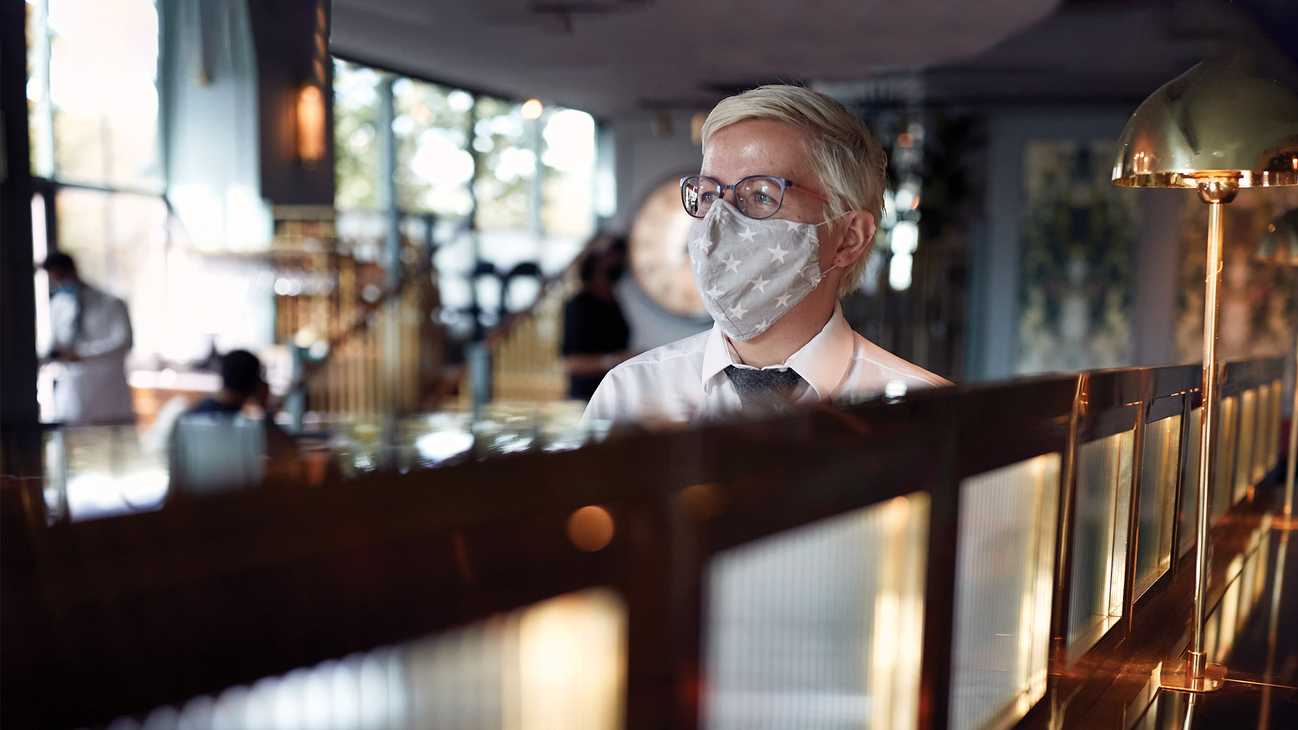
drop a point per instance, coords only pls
(311, 124)
(1221, 126)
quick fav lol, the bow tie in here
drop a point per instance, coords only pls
(771, 388)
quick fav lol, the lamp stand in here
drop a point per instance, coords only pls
(1198, 674)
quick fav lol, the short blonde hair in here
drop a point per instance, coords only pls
(849, 163)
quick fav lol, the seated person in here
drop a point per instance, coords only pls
(215, 446)
(595, 334)
(786, 205)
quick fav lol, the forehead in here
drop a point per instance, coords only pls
(757, 147)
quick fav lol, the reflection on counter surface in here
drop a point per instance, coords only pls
(101, 471)
(890, 564)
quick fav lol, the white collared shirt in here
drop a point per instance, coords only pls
(685, 380)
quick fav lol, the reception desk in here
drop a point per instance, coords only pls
(966, 557)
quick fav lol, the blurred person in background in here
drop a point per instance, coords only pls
(91, 332)
(595, 334)
(240, 406)
(786, 206)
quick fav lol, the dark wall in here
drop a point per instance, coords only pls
(17, 297)
(284, 32)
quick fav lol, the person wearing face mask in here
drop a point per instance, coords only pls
(91, 337)
(786, 206)
(595, 333)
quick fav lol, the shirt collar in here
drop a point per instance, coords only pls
(821, 362)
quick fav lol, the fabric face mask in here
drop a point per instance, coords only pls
(752, 272)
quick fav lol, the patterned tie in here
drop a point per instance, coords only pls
(764, 389)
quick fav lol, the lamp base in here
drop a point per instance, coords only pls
(1180, 679)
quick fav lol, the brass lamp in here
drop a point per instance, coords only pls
(1279, 245)
(1221, 126)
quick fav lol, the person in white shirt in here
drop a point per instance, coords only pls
(786, 206)
(91, 338)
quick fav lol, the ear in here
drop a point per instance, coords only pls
(858, 236)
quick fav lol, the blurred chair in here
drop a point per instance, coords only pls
(213, 453)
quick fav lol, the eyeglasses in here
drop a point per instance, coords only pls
(756, 196)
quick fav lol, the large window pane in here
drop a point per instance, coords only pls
(508, 165)
(356, 135)
(103, 59)
(434, 167)
(118, 241)
(568, 169)
(38, 110)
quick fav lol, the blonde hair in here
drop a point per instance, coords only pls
(849, 163)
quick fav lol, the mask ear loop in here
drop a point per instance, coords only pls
(826, 222)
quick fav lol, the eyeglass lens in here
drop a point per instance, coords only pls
(755, 197)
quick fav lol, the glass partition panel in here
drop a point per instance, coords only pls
(101, 471)
(560, 663)
(1099, 538)
(1002, 612)
(1190, 482)
(1244, 450)
(1160, 462)
(1222, 472)
(1262, 443)
(1277, 412)
(820, 626)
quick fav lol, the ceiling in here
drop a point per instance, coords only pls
(611, 57)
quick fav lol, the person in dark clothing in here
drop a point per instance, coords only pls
(243, 385)
(595, 334)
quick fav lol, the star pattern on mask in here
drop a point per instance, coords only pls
(700, 243)
(783, 300)
(761, 283)
(731, 263)
(715, 291)
(778, 253)
(763, 325)
(793, 225)
(747, 234)
(738, 311)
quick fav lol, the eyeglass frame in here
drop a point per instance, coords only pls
(785, 185)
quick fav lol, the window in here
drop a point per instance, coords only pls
(568, 173)
(522, 176)
(434, 167)
(93, 96)
(503, 184)
(356, 136)
(93, 112)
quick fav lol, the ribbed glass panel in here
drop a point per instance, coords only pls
(820, 627)
(1004, 576)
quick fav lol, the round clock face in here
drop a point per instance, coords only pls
(659, 259)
